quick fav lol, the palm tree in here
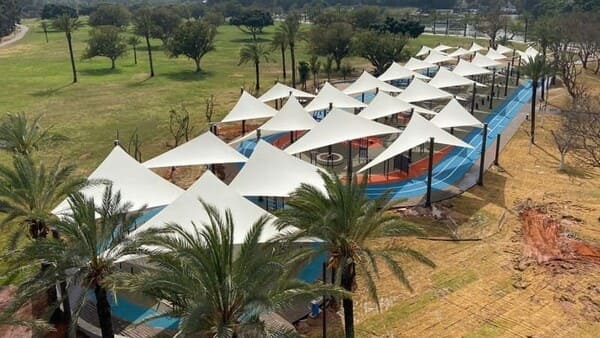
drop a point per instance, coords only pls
(44, 25)
(280, 41)
(315, 68)
(536, 69)
(134, 41)
(143, 26)
(254, 52)
(92, 241)
(345, 219)
(66, 23)
(218, 288)
(290, 28)
(29, 192)
(20, 135)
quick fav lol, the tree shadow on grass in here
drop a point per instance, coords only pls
(251, 40)
(50, 91)
(101, 71)
(189, 75)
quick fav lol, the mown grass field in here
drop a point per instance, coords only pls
(35, 77)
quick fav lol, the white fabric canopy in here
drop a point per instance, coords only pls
(247, 108)
(384, 105)
(503, 49)
(204, 149)
(423, 51)
(459, 52)
(495, 55)
(420, 91)
(455, 115)
(397, 72)
(530, 52)
(274, 173)
(137, 184)
(442, 48)
(445, 78)
(366, 83)
(476, 48)
(438, 57)
(329, 94)
(188, 212)
(281, 91)
(465, 68)
(338, 126)
(252, 136)
(292, 116)
(416, 64)
(484, 61)
(418, 131)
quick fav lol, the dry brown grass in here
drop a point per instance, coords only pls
(477, 290)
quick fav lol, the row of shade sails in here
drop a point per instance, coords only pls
(273, 172)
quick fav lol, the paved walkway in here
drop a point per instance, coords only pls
(14, 37)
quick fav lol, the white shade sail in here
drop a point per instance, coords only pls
(529, 53)
(423, 51)
(202, 150)
(435, 57)
(442, 48)
(445, 78)
(366, 83)
(418, 131)
(331, 95)
(459, 52)
(281, 91)
(188, 212)
(420, 91)
(503, 49)
(484, 61)
(476, 48)
(273, 172)
(137, 184)
(384, 105)
(398, 72)
(495, 55)
(247, 108)
(416, 64)
(292, 116)
(338, 126)
(455, 115)
(465, 68)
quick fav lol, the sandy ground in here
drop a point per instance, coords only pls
(16, 36)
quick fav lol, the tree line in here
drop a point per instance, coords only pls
(10, 15)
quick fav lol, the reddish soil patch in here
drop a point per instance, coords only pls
(545, 240)
(6, 295)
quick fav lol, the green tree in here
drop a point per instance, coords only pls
(255, 52)
(315, 67)
(134, 41)
(332, 40)
(164, 23)
(407, 27)
(110, 15)
(21, 135)
(381, 49)
(53, 11)
(280, 42)
(91, 243)
(218, 288)
(252, 21)
(144, 26)
(44, 25)
(345, 219)
(303, 72)
(536, 69)
(106, 41)
(291, 30)
(365, 16)
(193, 39)
(68, 24)
(29, 192)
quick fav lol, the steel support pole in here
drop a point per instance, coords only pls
(473, 98)
(482, 156)
(429, 172)
(349, 169)
(492, 88)
(497, 150)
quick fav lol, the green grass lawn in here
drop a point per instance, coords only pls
(36, 78)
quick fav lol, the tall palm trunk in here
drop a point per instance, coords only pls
(72, 57)
(134, 55)
(149, 55)
(534, 86)
(283, 61)
(257, 70)
(348, 278)
(293, 59)
(103, 310)
(66, 303)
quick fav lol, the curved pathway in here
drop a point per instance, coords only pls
(20, 33)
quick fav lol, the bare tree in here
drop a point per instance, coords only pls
(179, 125)
(564, 141)
(492, 21)
(134, 146)
(582, 120)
